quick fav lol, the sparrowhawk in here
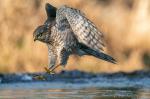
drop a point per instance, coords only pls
(68, 31)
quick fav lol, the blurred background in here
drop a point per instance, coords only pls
(124, 23)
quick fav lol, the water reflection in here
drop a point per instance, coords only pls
(83, 93)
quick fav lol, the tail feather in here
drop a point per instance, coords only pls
(97, 54)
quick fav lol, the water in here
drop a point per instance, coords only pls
(111, 86)
(46, 90)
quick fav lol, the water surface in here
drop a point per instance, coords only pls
(102, 86)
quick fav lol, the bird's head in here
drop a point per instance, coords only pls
(43, 32)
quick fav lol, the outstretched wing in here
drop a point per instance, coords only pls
(84, 30)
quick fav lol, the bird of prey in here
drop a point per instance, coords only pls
(68, 31)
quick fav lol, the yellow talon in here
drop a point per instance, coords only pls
(48, 70)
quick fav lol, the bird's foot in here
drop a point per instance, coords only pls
(49, 70)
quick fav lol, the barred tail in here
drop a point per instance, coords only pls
(97, 54)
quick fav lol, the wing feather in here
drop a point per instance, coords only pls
(84, 30)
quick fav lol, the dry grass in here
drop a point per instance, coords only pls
(125, 23)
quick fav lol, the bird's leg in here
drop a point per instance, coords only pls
(51, 69)
(55, 68)
(62, 57)
(52, 60)
(48, 71)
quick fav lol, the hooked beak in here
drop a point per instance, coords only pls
(35, 39)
